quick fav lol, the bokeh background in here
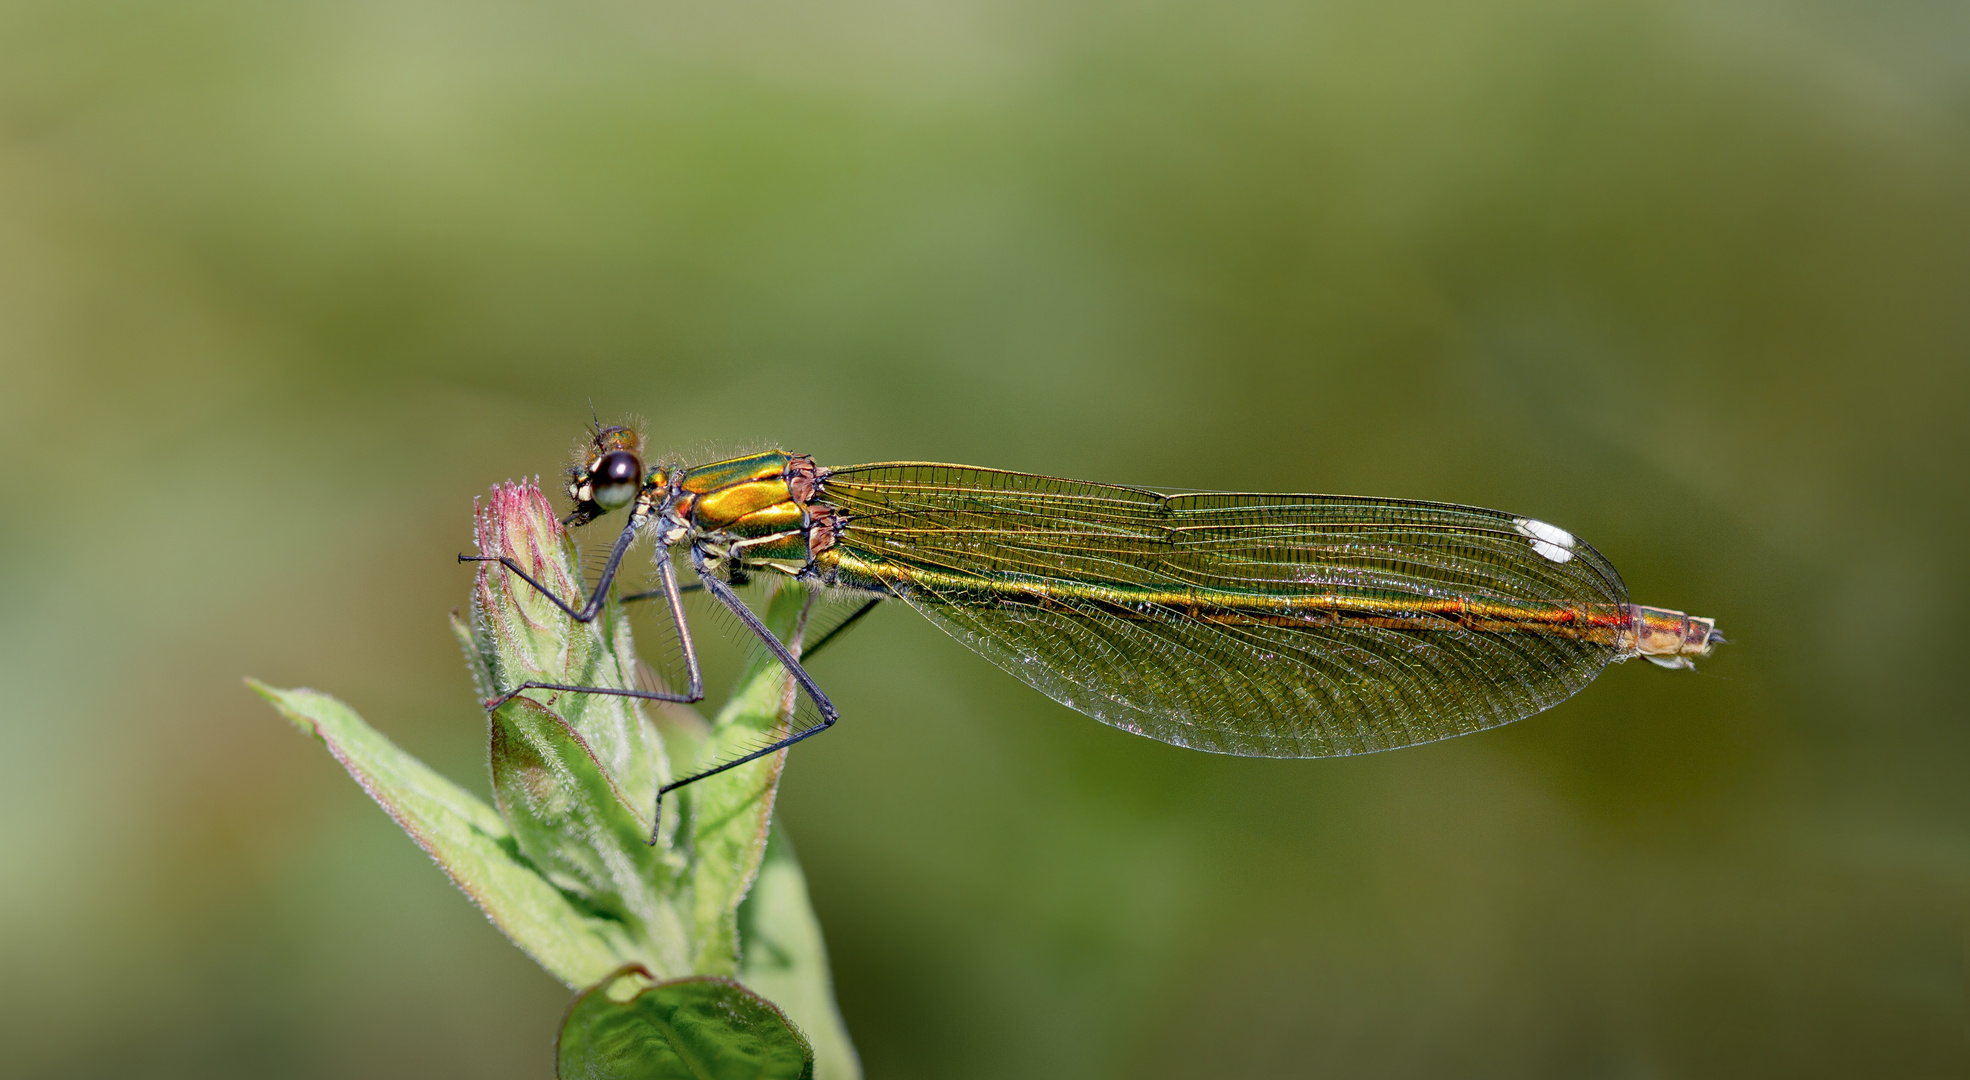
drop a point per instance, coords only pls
(284, 286)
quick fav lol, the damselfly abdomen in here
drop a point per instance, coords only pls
(1258, 625)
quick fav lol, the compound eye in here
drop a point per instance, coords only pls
(618, 467)
(616, 478)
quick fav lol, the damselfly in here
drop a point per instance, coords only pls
(1258, 625)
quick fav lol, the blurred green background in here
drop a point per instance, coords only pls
(283, 287)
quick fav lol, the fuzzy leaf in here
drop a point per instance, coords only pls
(570, 819)
(467, 839)
(701, 1028)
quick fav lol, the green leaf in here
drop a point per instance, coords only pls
(701, 1028)
(571, 821)
(468, 840)
(785, 960)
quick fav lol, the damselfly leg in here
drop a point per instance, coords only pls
(672, 594)
(723, 594)
(667, 576)
(652, 594)
(806, 652)
(835, 631)
(587, 612)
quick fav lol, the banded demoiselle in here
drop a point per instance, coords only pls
(1259, 625)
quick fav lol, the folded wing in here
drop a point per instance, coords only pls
(1258, 625)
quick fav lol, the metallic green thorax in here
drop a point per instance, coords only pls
(750, 511)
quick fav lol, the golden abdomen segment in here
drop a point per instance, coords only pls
(1669, 638)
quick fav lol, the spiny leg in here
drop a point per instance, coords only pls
(587, 612)
(667, 575)
(807, 651)
(672, 593)
(695, 586)
(723, 594)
